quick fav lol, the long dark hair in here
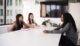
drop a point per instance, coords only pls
(67, 17)
(20, 24)
(29, 18)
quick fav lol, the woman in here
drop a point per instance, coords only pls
(69, 28)
(18, 24)
(31, 21)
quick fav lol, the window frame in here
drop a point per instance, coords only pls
(4, 7)
(52, 3)
(1, 2)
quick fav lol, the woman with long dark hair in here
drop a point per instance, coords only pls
(31, 21)
(18, 24)
(69, 29)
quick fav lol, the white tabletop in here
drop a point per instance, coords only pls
(29, 37)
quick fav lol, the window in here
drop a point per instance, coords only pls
(7, 21)
(9, 16)
(18, 2)
(9, 2)
(9, 12)
(1, 21)
(52, 9)
(43, 10)
(1, 2)
(1, 12)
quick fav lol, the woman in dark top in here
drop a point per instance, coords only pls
(31, 21)
(18, 24)
(69, 29)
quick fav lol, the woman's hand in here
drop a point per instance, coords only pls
(32, 26)
(45, 31)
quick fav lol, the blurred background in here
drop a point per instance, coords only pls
(42, 10)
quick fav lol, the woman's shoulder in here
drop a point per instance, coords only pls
(14, 23)
(69, 23)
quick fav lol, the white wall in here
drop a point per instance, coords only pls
(74, 9)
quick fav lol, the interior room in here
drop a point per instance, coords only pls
(46, 17)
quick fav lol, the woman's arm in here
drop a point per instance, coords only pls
(11, 27)
(26, 25)
(65, 28)
(35, 23)
(61, 30)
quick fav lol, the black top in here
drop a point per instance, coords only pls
(18, 26)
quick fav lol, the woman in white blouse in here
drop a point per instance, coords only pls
(31, 21)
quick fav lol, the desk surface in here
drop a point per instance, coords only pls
(29, 37)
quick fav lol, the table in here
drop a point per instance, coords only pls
(30, 37)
